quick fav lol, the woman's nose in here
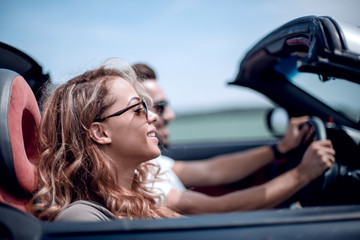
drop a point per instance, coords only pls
(152, 117)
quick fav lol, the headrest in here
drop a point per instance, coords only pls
(19, 124)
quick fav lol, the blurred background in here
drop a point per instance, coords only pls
(195, 47)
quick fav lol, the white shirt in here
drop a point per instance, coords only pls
(168, 179)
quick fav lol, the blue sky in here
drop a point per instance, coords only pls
(194, 46)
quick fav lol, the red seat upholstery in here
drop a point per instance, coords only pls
(19, 124)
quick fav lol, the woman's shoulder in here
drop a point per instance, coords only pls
(85, 211)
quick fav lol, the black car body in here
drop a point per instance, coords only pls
(320, 46)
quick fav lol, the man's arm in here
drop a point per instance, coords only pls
(222, 169)
(232, 167)
(318, 158)
(264, 196)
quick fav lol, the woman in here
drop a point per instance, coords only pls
(96, 137)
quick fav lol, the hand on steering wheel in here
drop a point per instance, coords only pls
(320, 134)
(314, 155)
(322, 182)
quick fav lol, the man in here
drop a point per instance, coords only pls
(232, 167)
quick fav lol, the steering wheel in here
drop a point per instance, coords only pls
(319, 127)
(340, 183)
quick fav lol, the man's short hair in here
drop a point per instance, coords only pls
(144, 72)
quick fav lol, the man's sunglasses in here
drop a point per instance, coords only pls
(160, 107)
(143, 102)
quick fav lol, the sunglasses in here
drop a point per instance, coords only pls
(160, 107)
(142, 102)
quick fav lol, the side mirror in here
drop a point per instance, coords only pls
(277, 120)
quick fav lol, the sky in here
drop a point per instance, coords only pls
(195, 46)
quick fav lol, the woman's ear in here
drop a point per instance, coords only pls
(98, 133)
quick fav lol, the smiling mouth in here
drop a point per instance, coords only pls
(151, 134)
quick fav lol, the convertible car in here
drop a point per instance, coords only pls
(309, 66)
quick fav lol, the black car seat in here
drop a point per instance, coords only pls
(19, 124)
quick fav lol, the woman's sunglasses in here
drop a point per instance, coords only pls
(143, 102)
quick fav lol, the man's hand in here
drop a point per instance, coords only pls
(294, 134)
(319, 157)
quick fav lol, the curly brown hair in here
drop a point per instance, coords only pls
(72, 166)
